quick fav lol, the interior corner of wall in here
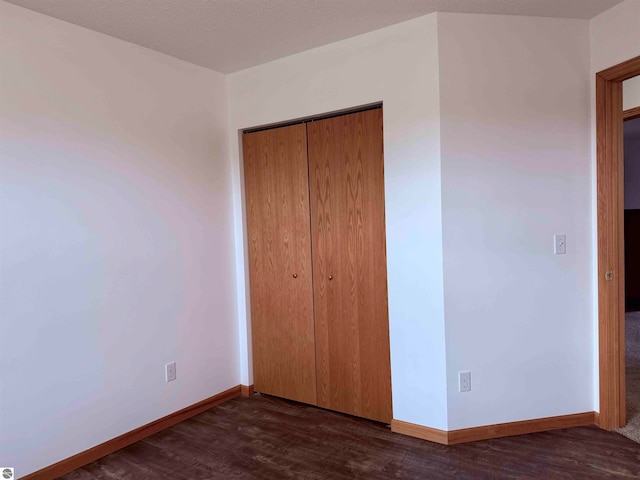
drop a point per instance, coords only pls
(241, 281)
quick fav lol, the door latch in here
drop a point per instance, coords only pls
(608, 275)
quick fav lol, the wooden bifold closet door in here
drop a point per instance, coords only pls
(346, 173)
(277, 205)
(315, 215)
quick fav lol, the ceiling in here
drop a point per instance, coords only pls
(231, 35)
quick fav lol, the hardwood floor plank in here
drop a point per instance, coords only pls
(264, 437)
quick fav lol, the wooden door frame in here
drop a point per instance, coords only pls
(610, 213)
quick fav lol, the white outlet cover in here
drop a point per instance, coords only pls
(170, 371)
(464, 381)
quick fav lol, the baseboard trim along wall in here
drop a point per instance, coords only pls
(418, 431)
(246, 391)
(83, 458)
(487, 432)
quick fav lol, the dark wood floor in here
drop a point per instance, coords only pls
(267, 438)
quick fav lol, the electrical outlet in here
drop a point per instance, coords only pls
(170, 371)
(464, 381)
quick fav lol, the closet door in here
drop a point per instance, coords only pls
(277, 203)
(349, 262)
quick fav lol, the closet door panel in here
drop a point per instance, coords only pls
(279, 243)
(349, 260)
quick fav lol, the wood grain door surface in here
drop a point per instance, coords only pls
(346, 173)
(279, 243)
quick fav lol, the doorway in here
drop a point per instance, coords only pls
(610, 213)
(631, 116)
(632, 201)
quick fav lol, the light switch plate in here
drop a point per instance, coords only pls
(560, 244)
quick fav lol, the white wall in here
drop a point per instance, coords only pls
(399, 66)
(117, 238)
(515, 170)
(614, 38)
(631, 93)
